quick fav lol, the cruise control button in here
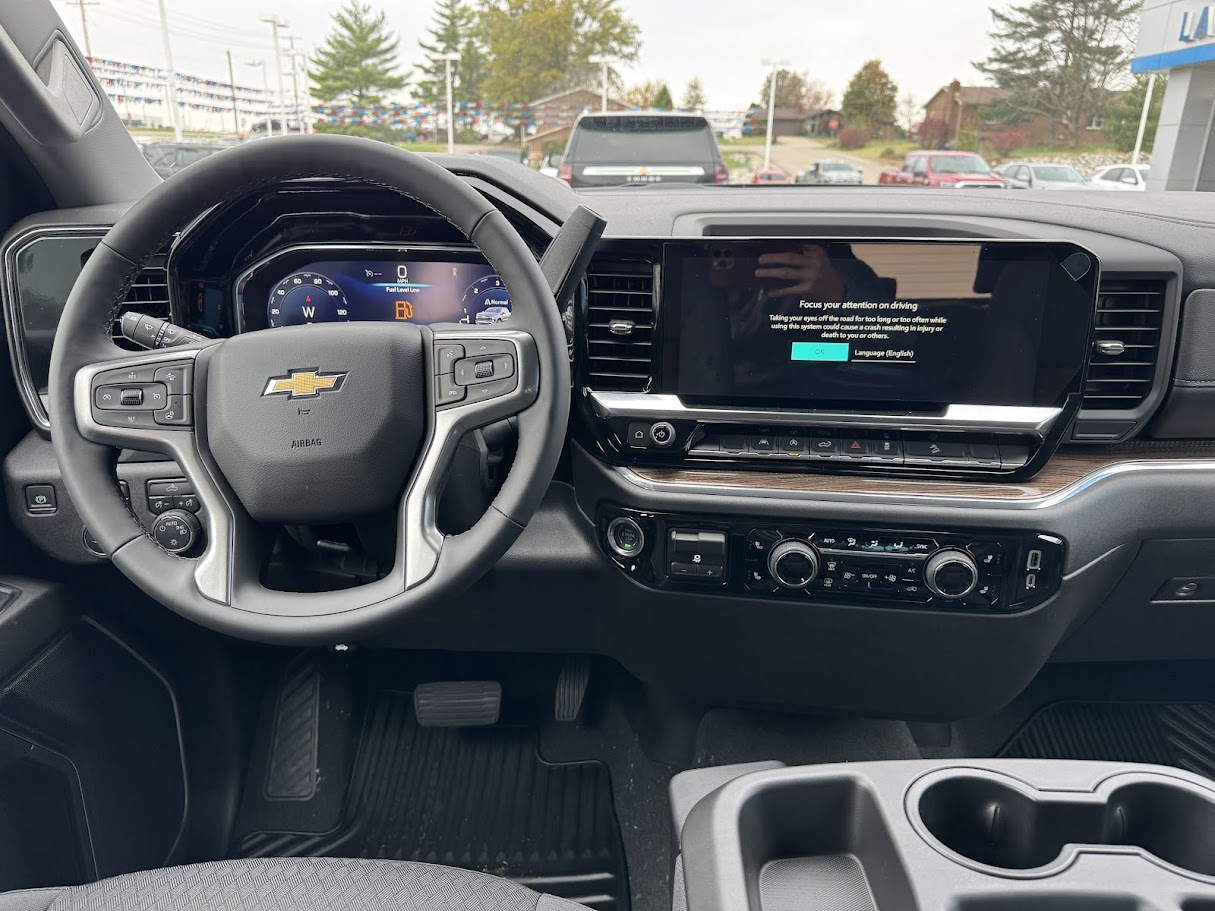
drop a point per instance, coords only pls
(131, 420)
(176, 412)
(178, 379)
(144, 374)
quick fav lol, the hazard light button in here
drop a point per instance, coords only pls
(855, 447)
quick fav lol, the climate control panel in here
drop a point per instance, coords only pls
(942, 569)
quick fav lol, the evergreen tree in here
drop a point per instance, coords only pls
(454, 29)
(694, 95)
(871, 97)
(1122, 117)
(1058, 57)
(358, 61)
(662, 99)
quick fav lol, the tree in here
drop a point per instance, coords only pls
(358, 61)
(909, 111)
(796, 90)
(663, 99)
(538, 47)
(642, 94)
(870, 99)
(694, 95)
(453, 31)
(1122, 116)
(1058, 58)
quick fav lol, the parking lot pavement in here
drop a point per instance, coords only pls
(795, 153)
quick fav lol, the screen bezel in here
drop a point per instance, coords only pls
(671, 291)
(252, 287)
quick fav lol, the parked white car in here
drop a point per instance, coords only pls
(1121, 177)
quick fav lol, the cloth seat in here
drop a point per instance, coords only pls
(293, 884)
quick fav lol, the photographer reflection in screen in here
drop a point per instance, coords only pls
(778, 282)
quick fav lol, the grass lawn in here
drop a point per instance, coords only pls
(422, 146)
(1063, 152)
(873, 151)
(746, 141)
(736, 160)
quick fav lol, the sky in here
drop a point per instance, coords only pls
(923, 45)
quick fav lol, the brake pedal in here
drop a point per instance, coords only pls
(458, 704)
(571, 688)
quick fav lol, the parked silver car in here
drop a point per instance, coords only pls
(1036, 175)
(832, 173)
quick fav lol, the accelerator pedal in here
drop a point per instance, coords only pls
(458, 704)
(571, 688)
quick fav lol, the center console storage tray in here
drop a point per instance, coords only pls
(974, 836)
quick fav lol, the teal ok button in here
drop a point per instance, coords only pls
(819, 351)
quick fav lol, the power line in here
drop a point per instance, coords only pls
(84, 21)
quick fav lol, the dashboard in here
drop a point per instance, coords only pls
(878, 451)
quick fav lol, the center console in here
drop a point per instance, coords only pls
(975, 835)
(908, 358)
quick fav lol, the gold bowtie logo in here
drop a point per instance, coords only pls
(300, 384)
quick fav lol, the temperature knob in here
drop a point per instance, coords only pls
(951, 573)
(793, 563)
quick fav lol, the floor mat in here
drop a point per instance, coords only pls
(1179, 734)
(478, 798)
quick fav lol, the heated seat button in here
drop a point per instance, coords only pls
(989, 557)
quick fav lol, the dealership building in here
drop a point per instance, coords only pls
(1177, 38)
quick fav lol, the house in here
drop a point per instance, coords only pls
(787, 122)
(563, 108)
(553, 118)
(826, 122)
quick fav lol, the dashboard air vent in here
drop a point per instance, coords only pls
(1126, 343)
(620, 325)
(149, 294)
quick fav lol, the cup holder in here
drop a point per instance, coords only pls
(997, 822)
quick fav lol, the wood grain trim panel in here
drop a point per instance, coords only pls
(1066, 468)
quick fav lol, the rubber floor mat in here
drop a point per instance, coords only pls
(1179, 734)
(477, 798)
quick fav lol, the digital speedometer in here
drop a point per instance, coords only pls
(306, 297)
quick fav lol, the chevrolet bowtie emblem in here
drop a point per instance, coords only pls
(300, 384)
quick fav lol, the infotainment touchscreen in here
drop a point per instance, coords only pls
(919, 323)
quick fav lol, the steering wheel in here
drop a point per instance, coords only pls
(307, 425)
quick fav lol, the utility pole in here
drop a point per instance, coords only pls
(293, 55)
(776, 66)
(170, 73)
(275, 24)
(266, 85)
(603, 60)
(448, 59)
(84, 22)
(232, 88)
(1147, 106)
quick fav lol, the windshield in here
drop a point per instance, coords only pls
(959, 164)
(713, 98)
(1058, 173)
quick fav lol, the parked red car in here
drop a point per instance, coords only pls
(770, 176)
(949, 170)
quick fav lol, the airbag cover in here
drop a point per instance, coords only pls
(320, 423)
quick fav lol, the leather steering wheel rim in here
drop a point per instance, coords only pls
(238, 605)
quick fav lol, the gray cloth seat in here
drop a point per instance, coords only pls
(293, 884)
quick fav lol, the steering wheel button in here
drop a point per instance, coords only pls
(491, 390)
(177, 378)
(488, 347)
(446, 357)
(176, 412)
(448, 392)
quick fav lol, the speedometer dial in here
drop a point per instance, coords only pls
(306, 297)
(486, 301)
